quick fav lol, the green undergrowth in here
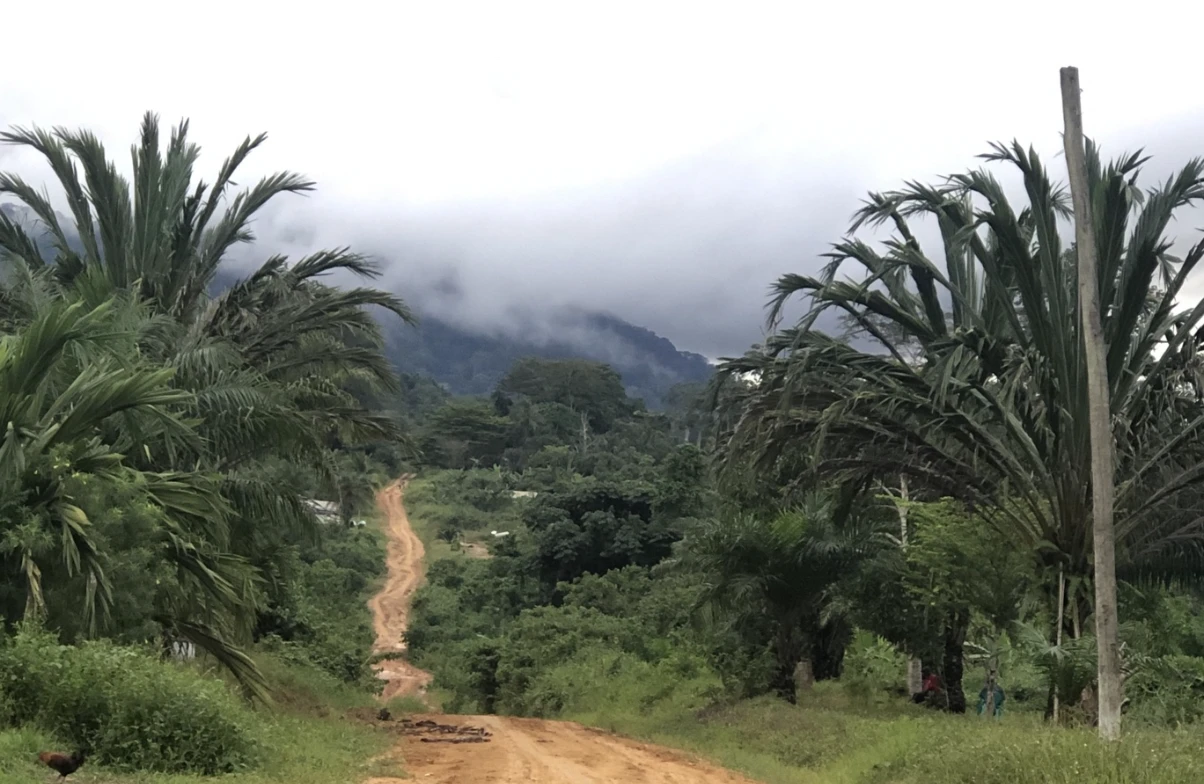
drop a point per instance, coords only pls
(305, 737)
(834, 739)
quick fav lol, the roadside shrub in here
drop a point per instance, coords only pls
(127, 708)
(872, 666)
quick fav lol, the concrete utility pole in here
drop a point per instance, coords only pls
(1099, 412)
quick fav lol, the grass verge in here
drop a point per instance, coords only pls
(833, 741)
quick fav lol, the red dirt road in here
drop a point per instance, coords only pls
(516, 751)
(391, 607)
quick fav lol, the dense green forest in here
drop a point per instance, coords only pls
(471, 362)
(765, 567)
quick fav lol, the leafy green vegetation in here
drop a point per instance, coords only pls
(291, 748)
(836, 741)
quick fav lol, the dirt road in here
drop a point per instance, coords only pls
(552, 752)
(443, 749)
(391, 606)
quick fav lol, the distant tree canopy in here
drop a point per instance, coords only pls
(597, 527)
(465, 431)
(590, 388)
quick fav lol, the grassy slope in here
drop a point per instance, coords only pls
(426, 514)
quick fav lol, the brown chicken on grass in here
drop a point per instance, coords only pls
(63, 764)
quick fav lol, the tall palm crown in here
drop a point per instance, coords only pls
(277, 345)
(976, 385)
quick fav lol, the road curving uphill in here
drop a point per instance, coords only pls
(443, 749)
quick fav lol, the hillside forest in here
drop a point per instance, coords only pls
(860, 552)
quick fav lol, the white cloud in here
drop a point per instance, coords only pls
(667, 158)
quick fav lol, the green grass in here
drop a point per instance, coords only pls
(836, 740)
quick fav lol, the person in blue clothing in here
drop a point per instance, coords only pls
(982, 701)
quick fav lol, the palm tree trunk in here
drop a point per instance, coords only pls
(915, 668)
(1100, 416)
(1053, 691)
(954, 661)
(827, 652)
(787, 654)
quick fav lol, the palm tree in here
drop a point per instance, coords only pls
(164, 239)
(787, 568)
(991, 408)
(268, 365)
(270, 357)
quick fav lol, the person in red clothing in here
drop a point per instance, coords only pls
(932, 684)
(930, 689)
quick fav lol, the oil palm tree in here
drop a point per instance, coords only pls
(973, 385)
(269, 357)
(266, 365)
(164, 238)
(787, 568)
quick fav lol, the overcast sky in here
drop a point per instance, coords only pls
(663, 161)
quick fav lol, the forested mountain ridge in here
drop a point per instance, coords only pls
(469, 362)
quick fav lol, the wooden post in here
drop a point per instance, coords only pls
(1100, 413)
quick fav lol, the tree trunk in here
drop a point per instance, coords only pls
(901, 508)
(915, 676)
(804, 678)
(787, 652)
(781, 682)
(1053, 678)
(827, 652)
(1100, 416)
(915, 668)
(954, 661)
